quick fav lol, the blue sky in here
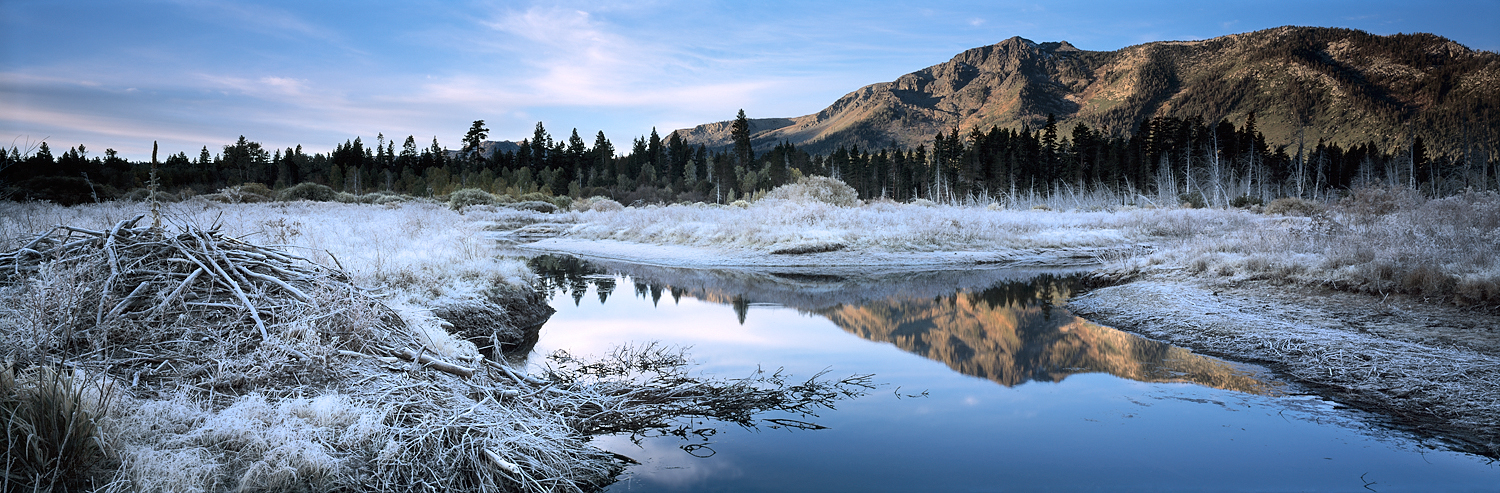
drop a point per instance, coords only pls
(190, 73)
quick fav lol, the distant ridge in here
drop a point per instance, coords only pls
(1341, 85)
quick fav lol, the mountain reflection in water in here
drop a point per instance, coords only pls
(1006, 326)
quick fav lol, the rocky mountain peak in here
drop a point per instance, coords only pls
(1340, 85)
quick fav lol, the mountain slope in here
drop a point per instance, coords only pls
(1342, 85)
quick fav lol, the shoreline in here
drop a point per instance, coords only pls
(1396, 358)
(1430, 369)
(702, 257)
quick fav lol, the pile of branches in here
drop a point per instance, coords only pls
(153, 297)
(154, 276)
(649, 391)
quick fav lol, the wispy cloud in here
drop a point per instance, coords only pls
(573, 58)
(260, 19)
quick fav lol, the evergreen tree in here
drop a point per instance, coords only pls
(739, 132)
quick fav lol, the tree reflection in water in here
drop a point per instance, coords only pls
(1006, 326)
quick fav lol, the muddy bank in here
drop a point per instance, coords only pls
(506, 322)
(1432, 369)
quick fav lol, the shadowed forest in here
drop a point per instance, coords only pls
(1201, 163)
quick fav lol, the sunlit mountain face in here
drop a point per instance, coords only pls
(1006, 326)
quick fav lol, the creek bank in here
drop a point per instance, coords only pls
(818, 256)
(505, 323)
(1434, 370)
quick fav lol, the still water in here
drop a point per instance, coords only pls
(985, 383)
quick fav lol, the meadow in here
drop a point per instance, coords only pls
(363, 384)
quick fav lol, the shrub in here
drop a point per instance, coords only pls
(597, 204)
(142, 195)
(817, 189)
(257, 188)
(63, 190)
(534, 196)
(535, 205)
(469, 196)
(1193, 200)
(307, 191)
(1292, 206)
(1428, 280)
(1478, 290)
(1378, 201)
(241, 194)
(1246, 201)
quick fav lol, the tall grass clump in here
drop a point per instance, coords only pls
(52, 438)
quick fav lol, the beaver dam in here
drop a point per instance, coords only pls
(985, 381)
(142, 357)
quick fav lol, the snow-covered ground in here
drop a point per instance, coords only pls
(812, 233)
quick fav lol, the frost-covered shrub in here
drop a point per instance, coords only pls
(142, 195)
(241, 194)
(1378, 201)
(1292, 206)
(534, 196)
(307, 191)
(1193, 200)
(596, 204)
(535, 205)
(923, 203)
(1246, 202)
(817, 189)
(257, 188)
(469, 196)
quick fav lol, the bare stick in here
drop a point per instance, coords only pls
(423, 358)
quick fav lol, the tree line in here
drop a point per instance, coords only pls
(1207, 163)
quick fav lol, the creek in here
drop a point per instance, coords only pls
(985, 383)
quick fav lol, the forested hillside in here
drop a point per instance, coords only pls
(1236, 120)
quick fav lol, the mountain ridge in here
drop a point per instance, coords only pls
(1308, 83)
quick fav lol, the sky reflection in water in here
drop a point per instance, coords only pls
(1020, 395)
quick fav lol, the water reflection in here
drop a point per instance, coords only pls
(1006, 326)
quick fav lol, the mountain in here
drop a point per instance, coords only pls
(1342, 85)
(489, 148)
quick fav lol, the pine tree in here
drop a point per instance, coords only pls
(739, 132)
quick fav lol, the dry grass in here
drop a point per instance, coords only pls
(318, 386)
(1380, 242)
(51, 433)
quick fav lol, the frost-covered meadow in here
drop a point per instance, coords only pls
(1373, 240)
(200, 410)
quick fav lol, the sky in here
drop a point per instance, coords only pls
(193, 73)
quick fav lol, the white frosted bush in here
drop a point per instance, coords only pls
(816, 189)
(469, 196)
